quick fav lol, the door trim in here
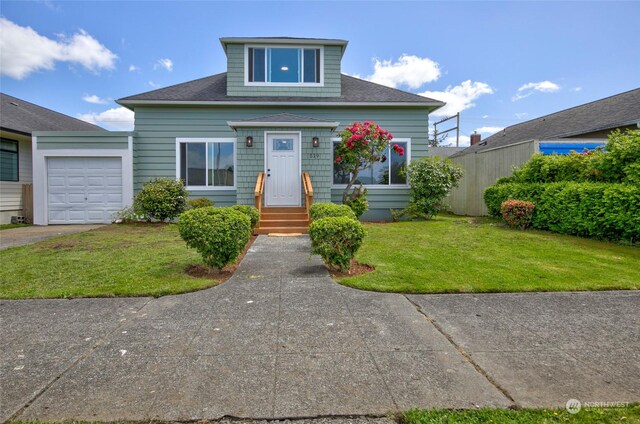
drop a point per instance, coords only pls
(266, 160)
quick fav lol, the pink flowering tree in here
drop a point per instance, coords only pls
(362, 145)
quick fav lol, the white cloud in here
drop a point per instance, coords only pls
(152, 84)
(531, 87)
(409, 70)
(485, 116)
(164, 63)
(95, 100)
(458, 98)
(488, 130)
(576, 89)
(118, 119)
(134, 68)
(23, 51)
(521, 115)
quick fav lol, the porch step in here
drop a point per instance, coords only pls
(283, 220)
(277, 223)
(282, 230)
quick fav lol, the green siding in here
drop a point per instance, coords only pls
(83, 140)
(158, 127)
(235, 77)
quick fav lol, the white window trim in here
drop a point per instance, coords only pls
(208, 140)
(282, 84)
(376, 186)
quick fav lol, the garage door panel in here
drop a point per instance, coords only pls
(83, 189)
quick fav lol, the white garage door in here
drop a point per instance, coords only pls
(83, 190)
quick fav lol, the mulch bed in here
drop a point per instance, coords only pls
(203, 271)
(357, 268)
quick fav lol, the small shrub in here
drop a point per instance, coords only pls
(199, 202)
(127, 215)
(218, 234)
(359, 203)
(336, 240)
(517, 213)
(161, 199)
(325, 210)
(251, 212)
(431, 179)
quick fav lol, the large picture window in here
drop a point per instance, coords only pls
(388, 172)
(9, 161)
(284, 65)
(207, 164)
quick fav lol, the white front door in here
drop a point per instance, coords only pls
(283, 169)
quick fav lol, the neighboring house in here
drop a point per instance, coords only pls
(18, 119)
(278, 109)
(581, 127)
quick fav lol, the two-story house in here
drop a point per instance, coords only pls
(275, 114)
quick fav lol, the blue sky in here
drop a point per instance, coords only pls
(498, 63)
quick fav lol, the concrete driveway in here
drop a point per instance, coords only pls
(27, 235)
(282, 340)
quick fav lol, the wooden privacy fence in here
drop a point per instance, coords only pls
(27, 202)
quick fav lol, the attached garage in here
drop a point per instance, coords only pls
(81, 178)
(83, 190)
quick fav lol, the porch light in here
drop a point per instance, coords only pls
(315, 142)
(249, 141)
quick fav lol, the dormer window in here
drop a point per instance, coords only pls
(283, 66)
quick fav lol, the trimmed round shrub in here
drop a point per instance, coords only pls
(199, 202)
(336, 240)
(325, 210)
(161, 199)
(251, 211)
(517, 213)
(218, 234)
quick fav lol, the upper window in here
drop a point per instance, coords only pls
(207, 164)
(8, 160)
(390, 171)
(284, 65)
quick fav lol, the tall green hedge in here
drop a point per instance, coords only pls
(599, 210)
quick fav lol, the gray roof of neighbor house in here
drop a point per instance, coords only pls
(20, 116)
(611, 112)
(213, 89)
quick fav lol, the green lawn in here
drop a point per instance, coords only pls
(458, 254)
(10, 226)
(629, 414)
(115, 260)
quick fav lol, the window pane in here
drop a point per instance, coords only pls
(196, 164)
(8, 166)
(340, 174)
(9, 145)
(221, 164)
(258, 65)
(398, 165)
(284, 65)
(283, 144)
(365, 176)
(380, 170)
(310, 65)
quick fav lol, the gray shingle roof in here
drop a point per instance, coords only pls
(611, 112)
(214, 89)
(21, 116)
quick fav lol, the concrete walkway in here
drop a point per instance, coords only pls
(281, 340)
(27, 235)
